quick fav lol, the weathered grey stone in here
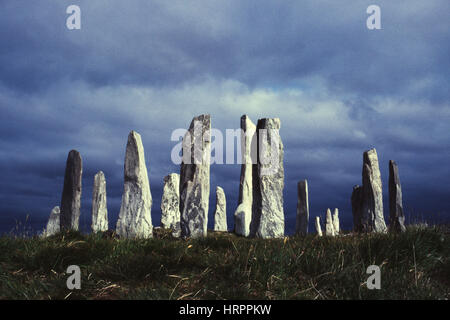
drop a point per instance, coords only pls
(301, 225)
(170, 204)
(357, 198)
(372, 208)
(194, 178)
(268, 182)
(99, 207)
(135, 219)
(243, 213)
(368, 201)
(329, 228)
(336, 225)
(53, 224)
(396, 215)
(318, 228)
(220, 214)
(71, 196)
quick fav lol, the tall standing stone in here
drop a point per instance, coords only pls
(71, 196)
(135, 220)
(268, 182)
(243, 213)
(53, 224)
(99, 207)
(396, 215)
(220, 214)
(357, 198)
(329, 228)
(318, 228)
(336, 225)
(170, 204)
(301, 225)
(372, 208)
(194, 178)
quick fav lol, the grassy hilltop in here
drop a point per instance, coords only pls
(414, 265)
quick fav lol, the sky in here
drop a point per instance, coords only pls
(151, 66)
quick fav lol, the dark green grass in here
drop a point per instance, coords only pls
(414, 265)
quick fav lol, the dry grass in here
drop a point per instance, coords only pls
(414, 265)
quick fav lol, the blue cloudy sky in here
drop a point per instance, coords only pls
(151, 66)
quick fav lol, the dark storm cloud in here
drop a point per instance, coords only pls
(256, 42)
(150, 66)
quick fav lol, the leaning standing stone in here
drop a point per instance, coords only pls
(396, 215)
(336, 226)
(301, 226)
(318, 228)
(53, 224)
(329, 228)
(194, 178)
(99, 208)
(71, 196)
(268, 182)
(170, 204)
(372, 209)
(220, 215)
(135, 220)
(243, 213)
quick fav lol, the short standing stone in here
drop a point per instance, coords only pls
(170, 204)
(220, 214)
(268, 182)
(372, 209)
(357, 198)
(53, 224)
(243, 213)
(135, 219)
(396, 215)
(329, 228)
(194, 178)
(301, 226)
(336, 225)
(318, 228)
(71, 196)
(99, 207)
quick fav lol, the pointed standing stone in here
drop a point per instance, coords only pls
(268, 182)
(194, 178)
(243, 213)
(329, 228)
(396, 215)
(336, 226)
(135, 220)
(372, 209)
(53, 224)
(170, 204)
(301, 226)
(318, 228)
(99, 207)
(71, 196)
(357, 198)
(220, 215)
